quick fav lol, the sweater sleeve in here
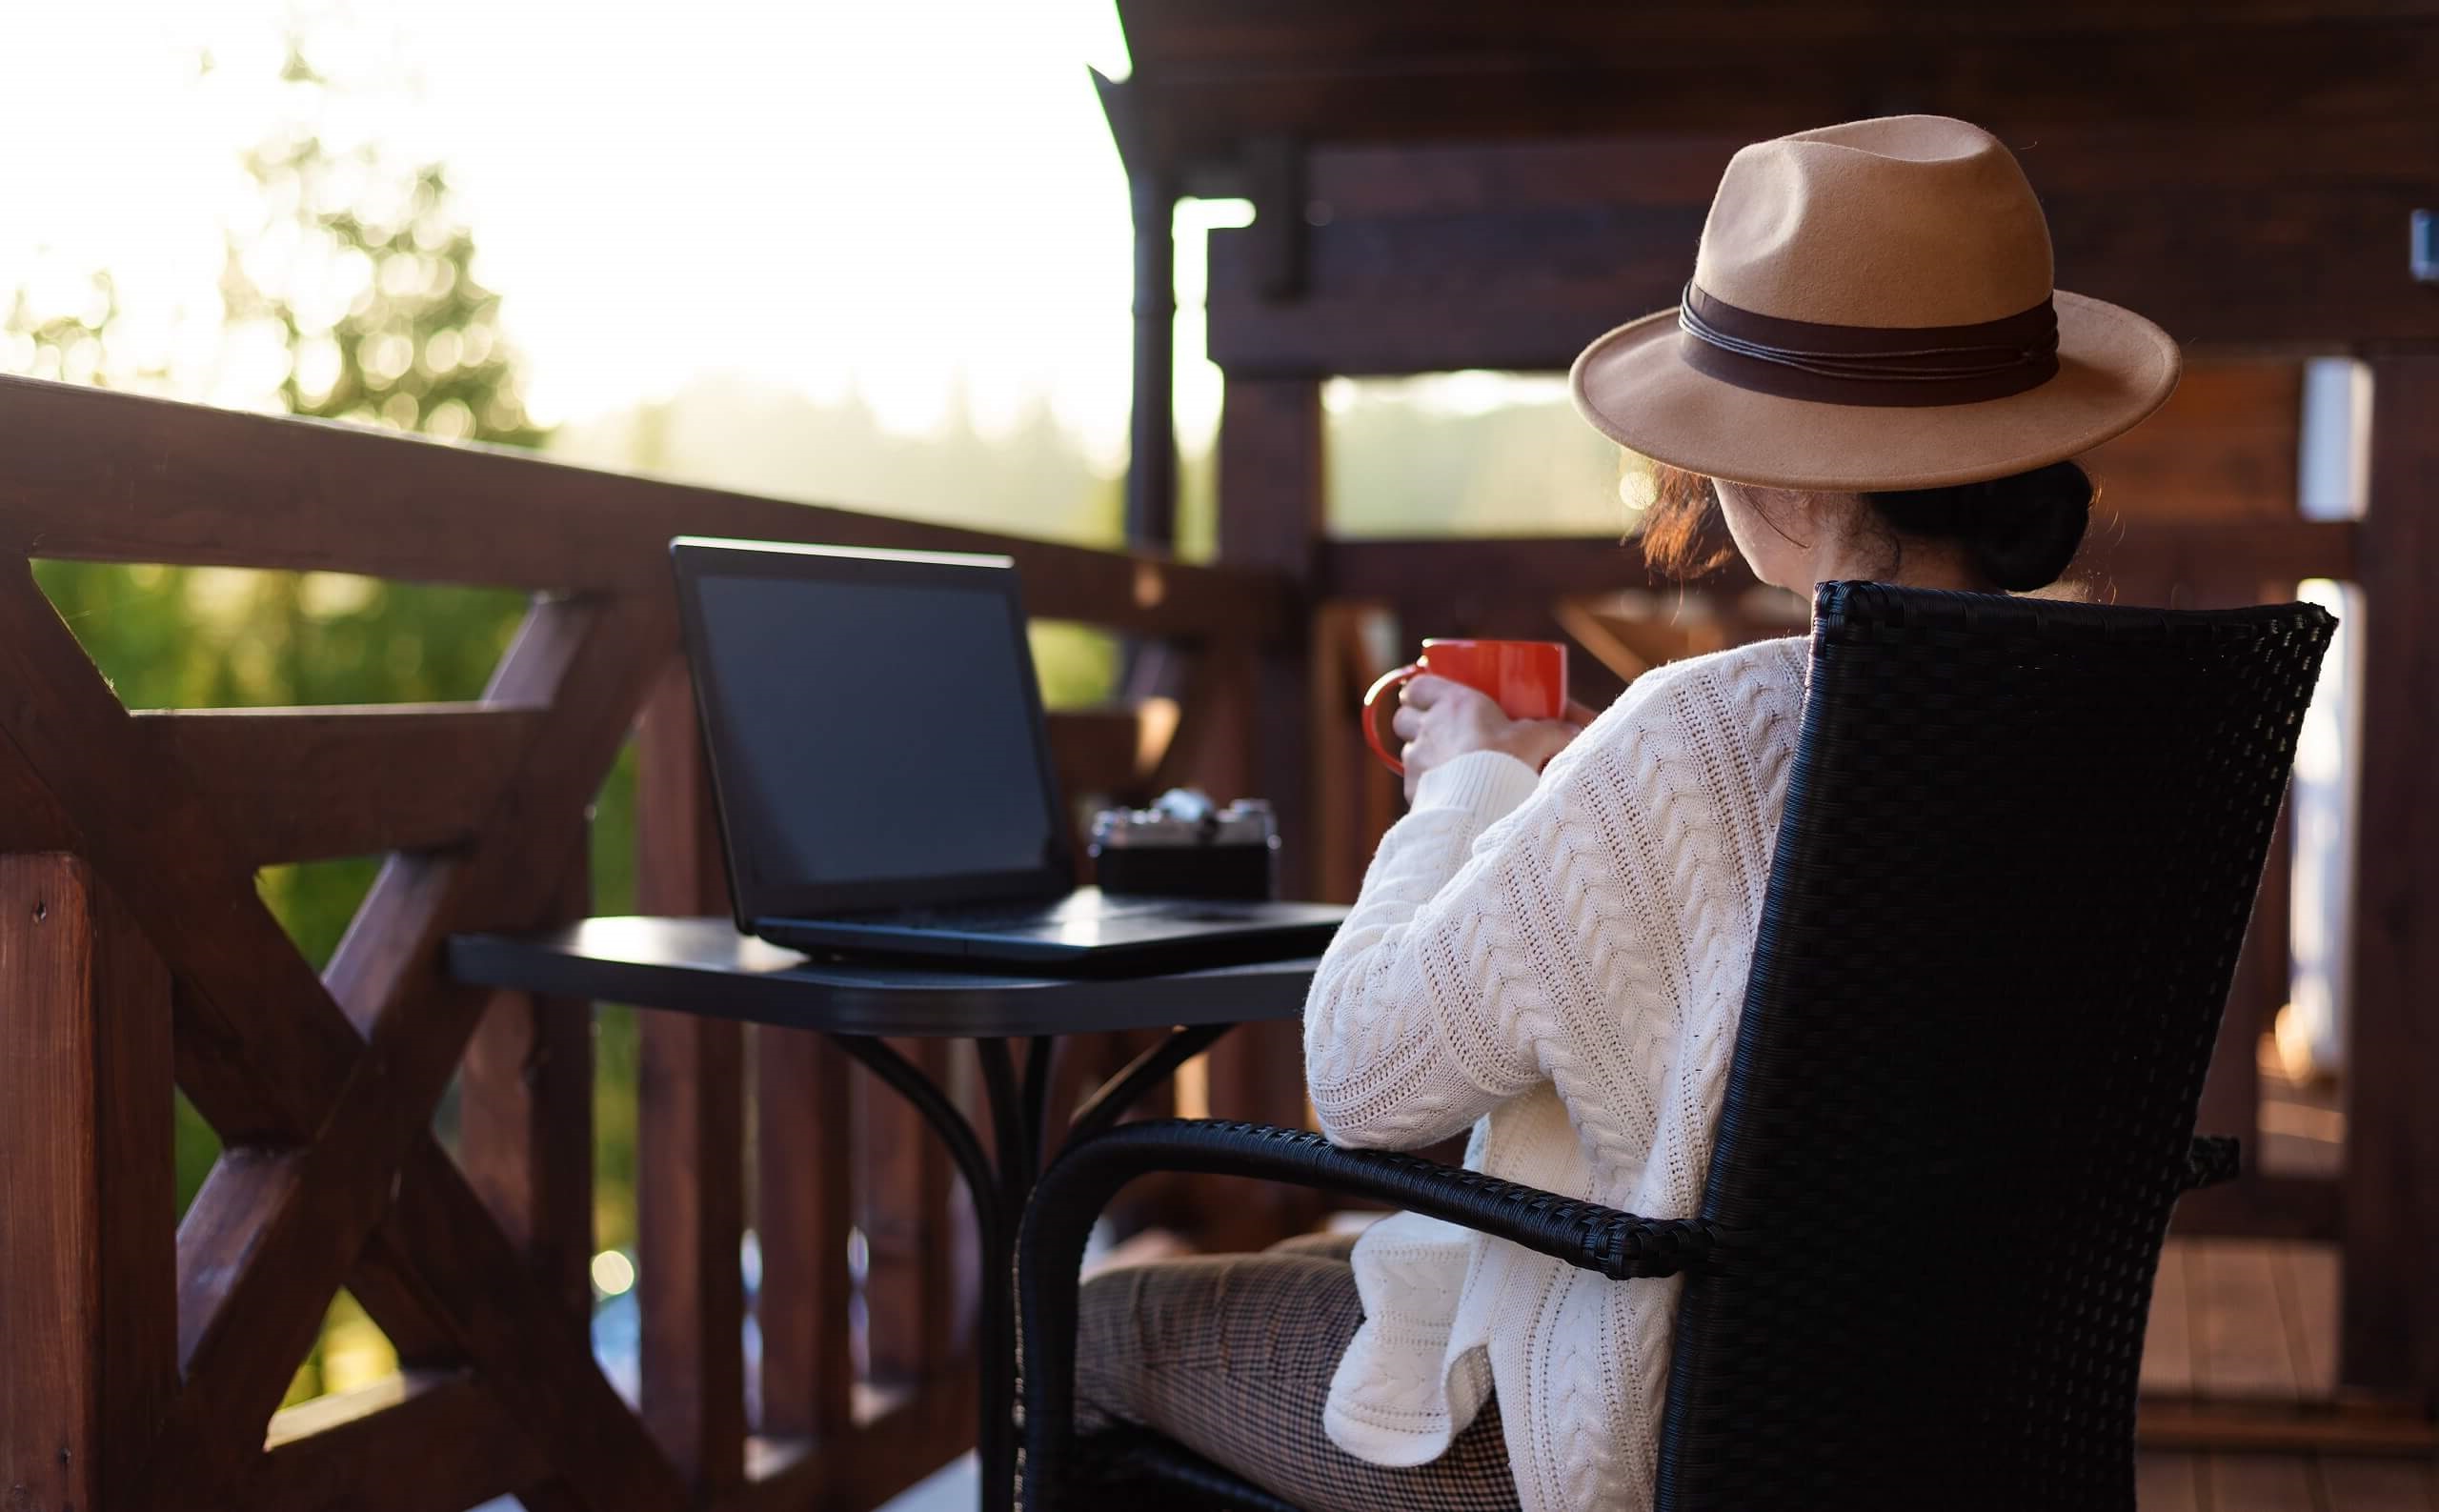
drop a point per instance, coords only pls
(1424, 1012)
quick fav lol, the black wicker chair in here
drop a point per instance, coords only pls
(2020, 846)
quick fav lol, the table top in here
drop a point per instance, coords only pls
(705, 966)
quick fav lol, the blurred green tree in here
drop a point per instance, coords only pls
(367, 279)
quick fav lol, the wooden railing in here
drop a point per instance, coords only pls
(146, 1364)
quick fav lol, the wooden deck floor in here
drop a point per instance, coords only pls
(2249, 1319)
(2252, 1324)
(2242, 1348)
(2172, 1481)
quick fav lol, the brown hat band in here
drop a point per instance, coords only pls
(1867, 365)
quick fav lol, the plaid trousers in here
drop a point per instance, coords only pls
(1231, 1355)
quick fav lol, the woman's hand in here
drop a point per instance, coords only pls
(1441, 720)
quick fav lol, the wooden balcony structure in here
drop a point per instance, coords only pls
(1439, 185)
(1443, 185)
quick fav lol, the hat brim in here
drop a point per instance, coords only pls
(2114, 369)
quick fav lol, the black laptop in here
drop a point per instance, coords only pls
(883, 774)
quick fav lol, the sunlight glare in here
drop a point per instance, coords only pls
(908, 200)
(614, 1275)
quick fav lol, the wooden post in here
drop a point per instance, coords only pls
(690, 1130)
(88, 1247)
(905, 1192)
(1152, 463)
(2389, 1335)
(803, 1130)
(1355, 798)
(1270, 486)
(1271, 497)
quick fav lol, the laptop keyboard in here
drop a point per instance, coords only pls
(1018, 914)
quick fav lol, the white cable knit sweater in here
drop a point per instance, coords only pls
(1564, 961)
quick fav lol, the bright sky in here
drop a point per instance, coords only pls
(894, 194)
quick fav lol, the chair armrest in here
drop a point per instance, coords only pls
(2213, 1159)
(1050, 1246)
(1073, 1192)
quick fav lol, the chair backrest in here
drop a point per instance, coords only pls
(2020, 846)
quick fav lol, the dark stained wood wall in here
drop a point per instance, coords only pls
(1431, 258)
(1218, 74)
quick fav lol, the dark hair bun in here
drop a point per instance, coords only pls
(2019, 533)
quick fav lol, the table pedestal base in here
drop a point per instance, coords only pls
(1001, 1179)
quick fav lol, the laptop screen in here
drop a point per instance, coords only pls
(875, 729)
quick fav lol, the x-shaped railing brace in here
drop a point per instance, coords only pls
(323, 1089)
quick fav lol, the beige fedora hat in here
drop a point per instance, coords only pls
(1871, 308)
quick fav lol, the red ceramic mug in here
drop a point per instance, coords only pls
(1526, 678)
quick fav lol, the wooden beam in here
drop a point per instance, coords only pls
(525, 1119)
(402, 1307)
(31, 820)
(87, 1299)
(1210, 33)
(305, 784)
(118, 477)
(2284, 1427)
(2230, 236)
(1413, 182)
(2389, 1334)
(429, 1440)
(1444, 72)
(1459, 572)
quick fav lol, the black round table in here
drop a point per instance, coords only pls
(704, 966)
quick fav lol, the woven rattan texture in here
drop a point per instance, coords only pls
(2021, 848)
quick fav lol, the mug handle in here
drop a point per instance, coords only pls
(1389, 682)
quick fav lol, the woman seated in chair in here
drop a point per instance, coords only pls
(1869, 376)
